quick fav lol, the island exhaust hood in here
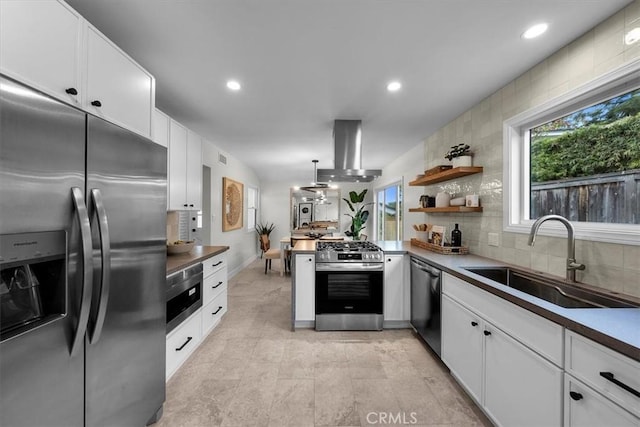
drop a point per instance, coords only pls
(347, 137)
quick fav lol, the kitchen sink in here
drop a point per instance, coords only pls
(556, 292)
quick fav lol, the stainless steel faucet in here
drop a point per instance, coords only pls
(572, 265)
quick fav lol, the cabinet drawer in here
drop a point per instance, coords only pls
(536, 332)
(586, 408)
(214, 285)
(182, 341)
(213, 312)
(586, 360)
(213, 264)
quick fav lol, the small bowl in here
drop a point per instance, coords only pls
(180, 248)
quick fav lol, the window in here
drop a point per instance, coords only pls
(578, 156)
(252, 207)
(388, 212)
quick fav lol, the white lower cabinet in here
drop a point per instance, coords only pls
(521, 388)
(514, 384)
(182, 341)
(462, 345)
(584, 407)
(304, 284)
(213, 312)
(396, 291)
(601, 385)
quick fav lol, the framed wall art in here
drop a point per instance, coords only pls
(232, 195)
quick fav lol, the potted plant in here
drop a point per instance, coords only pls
(264, 229)
(459, 155)
(360, 214)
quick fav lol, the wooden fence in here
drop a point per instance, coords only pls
(608, 198)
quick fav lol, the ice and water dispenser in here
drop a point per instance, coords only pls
(32, 280)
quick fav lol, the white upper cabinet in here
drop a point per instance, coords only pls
(49, 46)
(118, 89)
(177, 166)
(40, 44)
(194, 171)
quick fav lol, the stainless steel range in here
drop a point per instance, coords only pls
(349, 286)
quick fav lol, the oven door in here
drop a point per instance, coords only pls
(349, 288)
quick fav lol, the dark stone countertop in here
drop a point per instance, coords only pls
(198, 254)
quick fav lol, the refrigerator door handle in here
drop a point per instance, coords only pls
(105, 279)
(87, 268)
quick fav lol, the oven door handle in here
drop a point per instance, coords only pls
(348, 266)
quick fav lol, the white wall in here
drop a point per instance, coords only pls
(405, 169)
(243, 244)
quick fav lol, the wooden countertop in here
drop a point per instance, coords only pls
(197, 254)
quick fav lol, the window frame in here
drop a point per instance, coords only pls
(516, 182)
(400, 216)
(254, 207)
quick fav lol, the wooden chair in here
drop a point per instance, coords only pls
(268, 253)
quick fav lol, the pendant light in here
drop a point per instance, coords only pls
(315, 185)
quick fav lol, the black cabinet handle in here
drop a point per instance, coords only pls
(609, 376)
(185, 343)
(309, 259)
(216, 264)
(216, 312)
(96, 103)
(191, 205)
(389, 260)
(219, 283)
(193, 229)
(575, 395)
(71, 91)
(185, 205)
(486, 333)
(474, 324)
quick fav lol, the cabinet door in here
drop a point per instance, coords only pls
(585, 407)
(521, 388)
(182, 341)
(194, 171)
(462, 345)
(177, 166)
(394, 283)
(305, 287)
(40, 46)
(123, 89)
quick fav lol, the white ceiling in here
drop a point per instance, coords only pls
(304, 63)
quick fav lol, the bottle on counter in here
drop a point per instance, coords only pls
(456, 236)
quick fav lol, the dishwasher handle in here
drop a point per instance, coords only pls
(425, 267)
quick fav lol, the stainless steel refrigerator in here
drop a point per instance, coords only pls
(82, 266)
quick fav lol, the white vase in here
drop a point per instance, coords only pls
(442, 200)
(462, 161)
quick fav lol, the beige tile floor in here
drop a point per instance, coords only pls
(253, 371)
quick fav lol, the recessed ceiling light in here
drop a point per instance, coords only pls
(394, 86)
(233, 85)
(535, 30)
(632, 36)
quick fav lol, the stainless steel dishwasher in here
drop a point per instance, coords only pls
(426, 291)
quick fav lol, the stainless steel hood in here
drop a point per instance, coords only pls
(347, 137)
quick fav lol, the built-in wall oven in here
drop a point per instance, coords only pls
(349, 286)
(184, 295)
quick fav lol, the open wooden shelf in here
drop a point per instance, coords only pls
(449, 209)
(447, 175)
